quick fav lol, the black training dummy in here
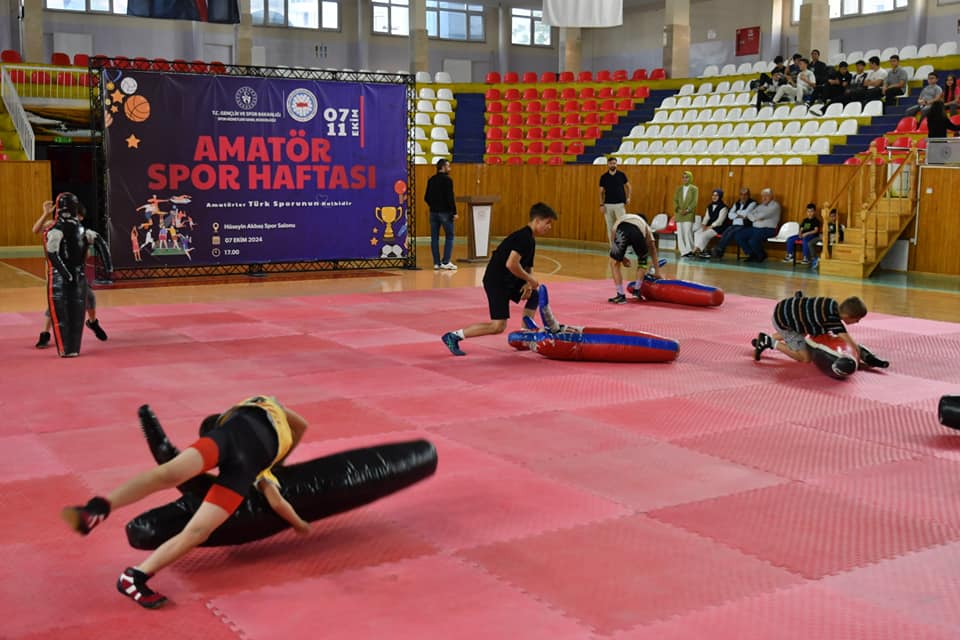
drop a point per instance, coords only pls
(317, 489)
(949, 411)
(66, 244)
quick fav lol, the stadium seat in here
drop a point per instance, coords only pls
(511, 77)
(493, 94)
(534, 160)
(587, 92)
(529, 77)
(199, 66)
(585, 76)
(568, 93)
(710, 71)
(548, 76)
(906, 53)
(928, 50)
(494, 133)
(555, 160)
(530, 93)
(494, 146)
(514, 107)
(493, 160)
(533, 119)
(81, 60)
(60, 59)
(567, 76)
(534, 106)
(947, 49)
(620, 75)
(492, 77)
(10, 56)
(536, 147)
(442, 77)
(514, 160)
(575, 148)
(639, 74)
(423, 77)
(516, 147)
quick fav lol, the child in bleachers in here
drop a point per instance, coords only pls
(834, 231)
(808, 236)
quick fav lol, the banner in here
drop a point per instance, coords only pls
(214, 170)
(225, 11)
(581, 13)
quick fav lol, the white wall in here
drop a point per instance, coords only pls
(636, 44)
(9, 36)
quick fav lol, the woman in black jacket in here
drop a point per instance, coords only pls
(938, 122)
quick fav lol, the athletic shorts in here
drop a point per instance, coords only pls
(242, 447)
(795, 340)
(627, 236)
(499, 299)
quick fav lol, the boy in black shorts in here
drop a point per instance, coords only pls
(244, 442)
(508, 278)
(631, 231)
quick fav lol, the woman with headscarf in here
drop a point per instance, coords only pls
(938, 122)
(684, 211)
(713, 224)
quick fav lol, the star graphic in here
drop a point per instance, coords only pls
(133, 142)
(117, 96)
(373, 241)
(114, 109)
(375, 230)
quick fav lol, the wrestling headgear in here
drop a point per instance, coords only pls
(67, 205)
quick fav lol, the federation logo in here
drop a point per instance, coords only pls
(302, 105)
(246, 98)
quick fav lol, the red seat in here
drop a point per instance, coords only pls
(554, 133)
(585, 76)
(549, 93)
(534, 106)
(495, 133)
(17, 76)
(853, 161)
(534, 133)
(218, 67)
(555, 160)
(566, 76)
(624, 92)
(639, 74)
(641, 93)
(571, 105)
(626, 104)
(511, 77)
(514, 107)
(605, 92)
(493, 160)
(552, 119)
(493, 94)
(141, 63)
(922, 142)
(101, 61)
(67, 79)
(880, 143)
(658, 74)
(575, 148)
(591, 118)
(495, 146)
(3, 156)
(10, 56)
(199, 66)
(587, 92)
(180, 65)
(60, 59)
(609, 118)
(902, 142)
(492, 77)
(534, 120)
(608, 105)
(572, 133)
(84, 79)
(161, 64)
(122, 62)
(39, 77)
(552, 106)
(555, 147)
(592, 133)
(530, 94)
(620, 75)
(516, 147)
(536, 147)
(515, 120)
(923, 127)
(529, 77)
(568, 93)
(572, 119)
(548, 76)
(534, 160)
(514, 160)
(954, 119)
(495, 107)
(514, 133)
(589, 105)
(511, 94)
(907, 124)
(603, 75)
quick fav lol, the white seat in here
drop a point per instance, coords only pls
(706, 87)
(741, 130)
(666, 131)
(699, 102)
(427, 94)
(872, 108)
(631, 160)
(414, 148)
(738, 85)
(774, 130)
(725, 130)
(776, 160)
(947, 49)
(792, 161)
(439, 148)
(889, 51)
(765, 145)
(687, 161)
(676, 116)
(728, 100)
(659, 161)
(922, 72)
(756, 161)
(848, 128)
(782, 112)
(659, 222)
(626, 147)
(704, 115)
(699, 147)
(709, 131)
(723, 161)
(641, 146)
(722, 87)
(444, 94)
(908, 52)
(750, 113)
(423, 77)
(420, 160)
(715, 148)
(443, 106)
(422, 119)
(668, 103)
(782, 146)
(731, 148)
(800, 112)
(674, 161)
(643, 161)
(425, 106)
(729, 70)
(710, 70)
(758, 129)
(836, 58)
(852, 109)
(602, 160)
(660, 116)
(655, 148)
(792, 128)
(685, 90)
(439, 133)
(719, 115)
(828, 128)
(747, 147)
(834, 110)
(705, 161)
(761, 66)
(765, 113)
(637, 131)
(787, 229)
(800, 146)
(743, 99)
(442, 77)
(853, 56)
(669, 147)
(820, 146)
(442, 120)
(928, 50)
(685, 147)
(869, 53)
(695, 131)
(810, 128)
(418, 134)
(684, 102)
(745, 68)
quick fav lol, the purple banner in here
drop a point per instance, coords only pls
(208, 170)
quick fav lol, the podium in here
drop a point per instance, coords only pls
(479, 212)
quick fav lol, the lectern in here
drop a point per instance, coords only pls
(479, 211)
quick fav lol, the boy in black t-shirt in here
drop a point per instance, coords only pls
(808, 236)
(508, 277)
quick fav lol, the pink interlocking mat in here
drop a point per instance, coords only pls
(712, 497)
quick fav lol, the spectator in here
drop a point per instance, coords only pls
(856, 87)
(685, 211)
(767, 84)
(794, 67)
(808, 236)
(819, 67)
(443, 212)
(805, 83)
(938, 122)
(713, 224)
(835, 233)
(738, 222)
(951, 98)
(874, 84)
(764, 219)
(614, 196)
(838, 80)
(928, 95)
(895, 83)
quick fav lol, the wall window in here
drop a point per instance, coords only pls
(527, 28)
(301, 14)
(454, 20)
(100, 6)
(846, 8)
(392, 17)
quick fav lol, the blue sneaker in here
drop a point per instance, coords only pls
(453, 343)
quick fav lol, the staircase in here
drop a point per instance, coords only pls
(610, 140)
(881, 217)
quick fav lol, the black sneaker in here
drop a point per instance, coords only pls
(618, 299)
(98, 331)
(133, 584)
(84, 519)
(760, 344)
(44, 341)
(453, 343)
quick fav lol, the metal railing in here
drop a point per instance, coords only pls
(14, 107)
(47, 82)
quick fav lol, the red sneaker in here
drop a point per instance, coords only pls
(133, 584)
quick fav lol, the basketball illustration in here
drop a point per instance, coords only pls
(136, 108)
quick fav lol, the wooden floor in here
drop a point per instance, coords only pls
(931, 297)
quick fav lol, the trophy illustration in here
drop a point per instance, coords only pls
(388, 215)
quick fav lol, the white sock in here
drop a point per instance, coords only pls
(620, 290)
(459, 334)
(774, 342)
(549, 319)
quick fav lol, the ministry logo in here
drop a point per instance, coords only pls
(246, 98)
(302, 105)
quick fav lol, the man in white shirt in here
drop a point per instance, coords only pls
(876, 77)
(806, 81)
